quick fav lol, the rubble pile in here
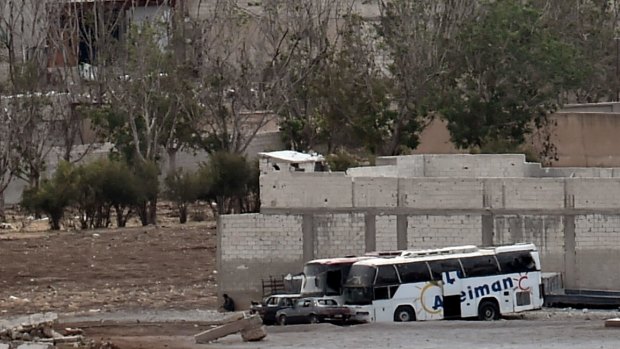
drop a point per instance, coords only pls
(37, 328)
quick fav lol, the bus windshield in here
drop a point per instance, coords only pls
(358, 295)
(361, 275)
(324, 279)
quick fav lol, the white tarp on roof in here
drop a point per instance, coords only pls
(292, 156)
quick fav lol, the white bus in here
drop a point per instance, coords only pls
(457, 282)
(326, 277)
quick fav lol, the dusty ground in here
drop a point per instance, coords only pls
(155, 288)
(133, 268)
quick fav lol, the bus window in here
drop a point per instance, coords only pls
(413, 272)
(516, 262)
(381, 293)
(480, 266)
(386, 275)
(440, 266)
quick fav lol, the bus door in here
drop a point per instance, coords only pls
(451, 289)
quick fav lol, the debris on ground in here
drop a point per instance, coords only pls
(36, 331)
(250, 326)
(615, 322)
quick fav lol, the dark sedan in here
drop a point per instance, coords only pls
(313, 310)
(268, 308)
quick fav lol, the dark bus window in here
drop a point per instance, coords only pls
(386, 275)
(438, 267)
(381, 293)
(480, 266)
(358, 295)
(516, 262)
(413, 272)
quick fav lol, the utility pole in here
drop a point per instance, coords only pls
(617, 99)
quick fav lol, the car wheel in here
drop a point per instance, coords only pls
(313, 319)
(282, 320)
(488, 311)
(404, 313)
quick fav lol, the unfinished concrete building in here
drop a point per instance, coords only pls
(426, 201)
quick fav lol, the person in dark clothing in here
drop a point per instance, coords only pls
(229, 304)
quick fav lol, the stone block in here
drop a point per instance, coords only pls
(35, 346)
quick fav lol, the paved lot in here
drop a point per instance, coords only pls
(517, 334)
(542, 329)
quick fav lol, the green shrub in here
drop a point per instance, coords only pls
(341, 161)
(52, 196)
(182, 188)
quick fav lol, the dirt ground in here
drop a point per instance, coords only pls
(156, 287)
(106, 270)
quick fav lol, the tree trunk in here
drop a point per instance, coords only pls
(183, 213)
(153, 212)
(143, 214)
(2, 211)
(172, 161)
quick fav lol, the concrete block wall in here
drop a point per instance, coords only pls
(373, 171)
(457, 193)
(597, 193)
(339, 235)
(386, 233)
(375, 192)
(302, 190)
(430, 231)
(533, 193)
(474, 166)
(255, 246)
(545, 231)
(597, 251)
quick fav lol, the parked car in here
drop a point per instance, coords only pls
(313, 310)
(270, 305)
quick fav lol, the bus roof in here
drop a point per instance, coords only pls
(446, 253)
(339, 260)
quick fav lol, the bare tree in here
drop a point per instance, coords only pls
(9, 159)
(417, 35)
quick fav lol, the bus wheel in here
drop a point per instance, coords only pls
(282, 320)
(404, 313)
(488, 310)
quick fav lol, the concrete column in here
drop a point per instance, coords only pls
(308, 236)
(487, 229)
(370, 232)
(401, 232)
(570, 255)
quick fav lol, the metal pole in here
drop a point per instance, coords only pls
(617, 68)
